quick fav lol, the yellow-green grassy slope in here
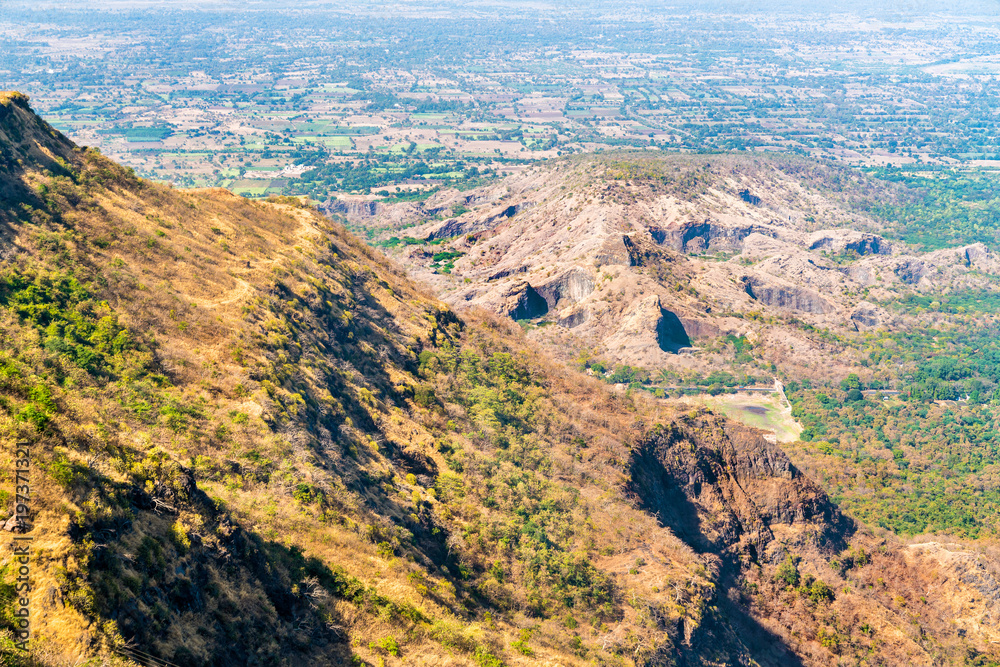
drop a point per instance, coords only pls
(254, 442)
(239, 456)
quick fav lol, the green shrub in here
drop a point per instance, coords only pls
(424, 396)
(484, 658)
(35, 415)
(307, 494)
(819, 592)
(63, 471)
(387, 645)
(788, 572)
(70, 323)
(521, 643)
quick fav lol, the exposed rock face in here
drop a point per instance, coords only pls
(452, 227)
(786, 297)
(506, 273)
(867, 315)
(571, 287)
(649, 325)
(573, 317)
(471, 225)
(977, 255)
(730, 492)
(354, 210)
(626, 251)
(520, 301)
(911, 270)
(614, 251)
(696, 237)
(459, 227)
(699, 328)
(842, 241)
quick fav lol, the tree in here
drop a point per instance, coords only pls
(788, 572)
(852, 381)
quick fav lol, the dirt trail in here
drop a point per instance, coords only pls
(243, 289)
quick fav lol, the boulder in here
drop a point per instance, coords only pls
(867, 315)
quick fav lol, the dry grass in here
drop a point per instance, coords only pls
(275, 497)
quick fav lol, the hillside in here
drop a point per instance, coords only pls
(636, 257)
(252, 441)
(872, 297)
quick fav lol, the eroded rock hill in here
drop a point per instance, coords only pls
(724, 243)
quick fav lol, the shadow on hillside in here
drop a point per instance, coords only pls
(731, 635)
(248, 600)
(728, 634)
(354, 354)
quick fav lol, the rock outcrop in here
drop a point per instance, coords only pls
(615, 252)
(353, 209)
(843, 241)
(469, 224)
(911, 270)
(648, 326)
(571, 287)
(573, 316)
(519, 301)
(698, 237)
(786, 297)
(867, 315)
(730, 492)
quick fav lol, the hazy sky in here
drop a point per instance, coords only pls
(866, 7)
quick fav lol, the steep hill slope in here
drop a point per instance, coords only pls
(639, 256)
(249, 440)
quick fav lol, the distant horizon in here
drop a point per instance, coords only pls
(894, 9)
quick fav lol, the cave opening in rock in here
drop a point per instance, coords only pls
(670, 333)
